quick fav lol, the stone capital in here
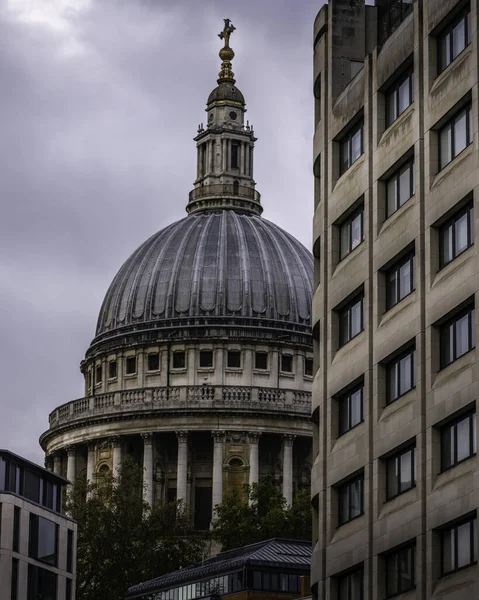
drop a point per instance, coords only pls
(182, 437)
(218, 436)
(288, 439)
(91, 446)
(115, 441)
(253, 437)
(147, 438)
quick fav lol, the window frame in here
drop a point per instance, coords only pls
(452, 321)
(468, 210)
(396, 457)
(464, 15)
(347, 398)
(467, 109)
(127, 361)
(112, 369)
(389, 365)
(396, 555)
(396, 176)
(345, 487)
(308, 360)
(178, 353)
(410, 257)
(347, 222)
(393, 90)
(148, 367)
(454, 528)
(446, 427)
(261, 353)
(345, 144)
(287, 357)
(202, 353)
(347, 576)
(347, 308)
(230, 353)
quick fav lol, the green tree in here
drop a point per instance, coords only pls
(261, 516)
(121, 542)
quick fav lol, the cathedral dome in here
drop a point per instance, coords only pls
(213, 267)
(226, 90)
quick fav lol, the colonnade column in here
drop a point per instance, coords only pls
(90, 466)
(148, 468)
(253, 438)
(182, 466)
(288, 468)
(116, 442)
(217, 492)
(71, 464)
(57, 464)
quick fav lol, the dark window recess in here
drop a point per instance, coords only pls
(235, 155)
(41, 584)
(286, 363)
(350, 585)
(130, 365)
(391, 13)
(457, 336)
(400, 571)
(261, 361)
(308, 367)
(16, 529)
(458, 440)
(350, 407)
(234, 359)
(350, 497)
(454, 39)
(112, 369)
(400, 280)
(401, 375)
(399, 97)
(14, 580)
(70, 540)
(455, 136)
(51, 495)
(206, 359)
(153, 361)
(31, 486)
(456, 235)
(68, 590)
(352, 147)
(3, 473)
(459, 546)
(98, 374)
(351, 320)
(400, 187)
(401, 472)
(179, 359)
(43, 540)
(351, 232)
(89, 379)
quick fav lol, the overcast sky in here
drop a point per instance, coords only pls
(100, 102)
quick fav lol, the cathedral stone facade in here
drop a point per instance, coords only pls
(201, 366)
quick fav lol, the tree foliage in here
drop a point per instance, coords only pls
(121, 542)
(266, 515)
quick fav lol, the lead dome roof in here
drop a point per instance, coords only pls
(214, 266)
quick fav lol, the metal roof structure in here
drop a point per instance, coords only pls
(275, 553)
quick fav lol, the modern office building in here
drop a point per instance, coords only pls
(271, 570)
(201, 366)
(395, 479)
(37, 541)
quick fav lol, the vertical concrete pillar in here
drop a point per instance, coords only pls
(182, 466)
(217, 492)
(57, 464)
(116, 455)
(71, 464)
(288, 468)
(253, 438)
(148, 468)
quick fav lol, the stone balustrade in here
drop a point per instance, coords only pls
(198, 397)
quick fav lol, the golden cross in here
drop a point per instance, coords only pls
(227, 31)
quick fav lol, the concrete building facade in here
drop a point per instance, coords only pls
(37, 541)
(395, 479)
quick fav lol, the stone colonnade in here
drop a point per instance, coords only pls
(182, 464)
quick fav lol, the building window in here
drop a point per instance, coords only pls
(400, 280)
(400, 571)
(154, 361)
(16, 529)
(455, 136)
(308, 367)
(400, 187)
(399, 97)
(179, 359)
(351, 147)
(112, 369)
(70, 551)
(89, 379)
(41, 584)
(457, 336)
(458, 440)
(350, 495)
(52, 496)
(350, 407)
(14, 580)
(68, 591)
(351, 232)
(454, 39)
(31, 486)
(351, 320)
(401, 375)
(286, 363)
(459, 546)
(261, 361)
(234, 359)
(235, 155)
(456, 235)
(206, 359)
(391, 13)
(401, 473)
(130, 365)
(350, 585)
(98, 374)
(43, 540)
